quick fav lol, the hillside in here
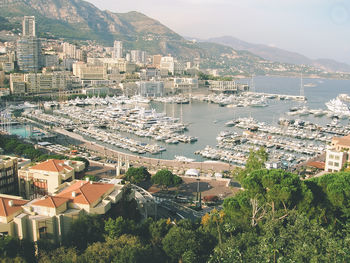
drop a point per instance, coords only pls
(280, 55)
(78, 20)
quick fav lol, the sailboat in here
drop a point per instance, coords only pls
(301, 96)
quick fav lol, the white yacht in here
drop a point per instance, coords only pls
(183, 159)
(337, 106)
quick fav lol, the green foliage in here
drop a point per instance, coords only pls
(86, 230)
(256, 160)
(183, 243)
(14, 250)
(59, 255)
(137, 175)
(120, 226)
(125, 249)
(166, 178)
(91, 178)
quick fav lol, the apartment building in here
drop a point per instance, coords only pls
(44, 178)
(337, 154)
(8, 175)
(51, 216)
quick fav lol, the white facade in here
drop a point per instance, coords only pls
(167, 64)
(151, 88)
(28, 26)
(186, 83)
(335, 160)
(117, 49)
(223, 86)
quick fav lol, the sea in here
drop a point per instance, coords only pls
(207, 120)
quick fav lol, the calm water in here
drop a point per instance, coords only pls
(207, 120)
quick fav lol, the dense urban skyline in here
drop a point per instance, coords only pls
(317, 29)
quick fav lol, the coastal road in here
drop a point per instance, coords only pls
(151, 163)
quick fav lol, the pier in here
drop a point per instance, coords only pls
(279, 96)
(152, 164)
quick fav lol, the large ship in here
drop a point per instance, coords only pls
(337, 106)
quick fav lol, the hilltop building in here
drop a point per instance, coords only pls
(8, 175)
(29, 54)
(51, 216)
(29, 47)
(28, 26)
(337, 155)
(138, 56)
(44, 178)
(117, 49)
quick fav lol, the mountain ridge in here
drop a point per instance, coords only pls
(279, 54)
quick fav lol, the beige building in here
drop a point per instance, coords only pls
(44, 178)
(8, 175)
(223, 86)
(337, 155)
(89, 72)
(51, 216)
(48, 82)
(17, 84)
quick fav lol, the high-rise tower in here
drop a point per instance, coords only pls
(28, 26)
(118, 49)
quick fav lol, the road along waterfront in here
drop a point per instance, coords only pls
(151, 163)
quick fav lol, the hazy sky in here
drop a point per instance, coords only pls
(315, 28)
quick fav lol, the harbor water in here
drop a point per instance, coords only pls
(207, 120)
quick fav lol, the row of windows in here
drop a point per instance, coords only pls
(7, 181)
(6, 173)
(335, 164)
(335, 157)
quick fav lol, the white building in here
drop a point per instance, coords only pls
(138, 56)
(335, 160)
(28, 26)
(117, 49)
(186, 84)
(167, 65)
(151, 88)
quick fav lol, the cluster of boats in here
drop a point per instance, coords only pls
(135, 120)
(119, 141)
(96, 100)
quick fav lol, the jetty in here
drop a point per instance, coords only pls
(153, 164)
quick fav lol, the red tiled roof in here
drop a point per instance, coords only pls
(85, 192)
(52, 165)
(343, 141)
(51, 201)
(7, 210)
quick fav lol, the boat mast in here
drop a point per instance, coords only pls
(301, 85)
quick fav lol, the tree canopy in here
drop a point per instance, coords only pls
(166, 178)
(137, 175)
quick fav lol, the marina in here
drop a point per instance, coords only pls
(203, 129)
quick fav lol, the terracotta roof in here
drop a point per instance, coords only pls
(52, 165)
(318, 165)
(344, 141)
(7, 210)
(51, 201)
(85, 192)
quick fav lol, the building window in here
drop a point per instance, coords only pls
(337, 157)
(336, 164)
(331, 156)
(330, 163)
(43, 232)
